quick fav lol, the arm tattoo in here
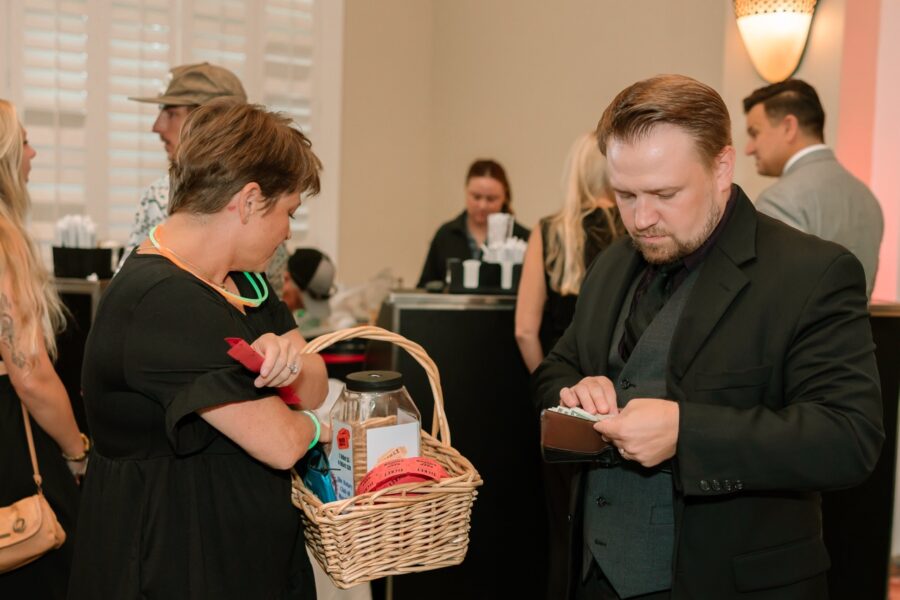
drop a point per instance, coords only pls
(8, 333)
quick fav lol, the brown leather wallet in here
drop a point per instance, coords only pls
(565, 438)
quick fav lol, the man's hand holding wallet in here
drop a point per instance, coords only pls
(569, 436)
(567, 430)
(582, 428)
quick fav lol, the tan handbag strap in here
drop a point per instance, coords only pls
(34, 462)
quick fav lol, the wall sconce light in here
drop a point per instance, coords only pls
(774, 33)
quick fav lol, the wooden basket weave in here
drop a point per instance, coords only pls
(402, 529)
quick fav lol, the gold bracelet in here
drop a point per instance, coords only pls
(83, 455)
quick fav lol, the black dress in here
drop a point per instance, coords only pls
(47, 576)
(171, 508)
(557, 477)
(452, 240)
(559, 309)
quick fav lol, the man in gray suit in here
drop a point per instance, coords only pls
(814, 194)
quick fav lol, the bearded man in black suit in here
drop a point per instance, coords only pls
(733, 359)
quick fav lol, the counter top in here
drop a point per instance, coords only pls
(884, 309)
(79, 284)
(418, 299)
(424, 300)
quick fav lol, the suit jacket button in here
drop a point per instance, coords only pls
(601, 501)
(704, 485)
(599, 542)
(716, 486)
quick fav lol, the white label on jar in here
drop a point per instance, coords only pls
(393, 441)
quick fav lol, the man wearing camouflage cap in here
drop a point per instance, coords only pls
(189, 87)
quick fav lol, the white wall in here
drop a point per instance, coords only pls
(431, 85)
(386, 192)
(520, 80)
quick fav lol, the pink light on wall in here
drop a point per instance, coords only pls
(861, 144)
(857, 97)
(886, 149)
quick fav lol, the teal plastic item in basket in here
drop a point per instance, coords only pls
(313, 468)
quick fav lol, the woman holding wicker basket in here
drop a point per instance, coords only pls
(188, 492)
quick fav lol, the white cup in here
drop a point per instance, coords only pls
(506, 274)
(500, 226)
(471, 268)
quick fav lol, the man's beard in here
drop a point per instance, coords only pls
(674, 249)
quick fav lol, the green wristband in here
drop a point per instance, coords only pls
(318, 425)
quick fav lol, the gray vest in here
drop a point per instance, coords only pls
(629, 526)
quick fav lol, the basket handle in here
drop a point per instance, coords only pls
(369, 332)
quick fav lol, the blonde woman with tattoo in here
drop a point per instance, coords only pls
(30, 316)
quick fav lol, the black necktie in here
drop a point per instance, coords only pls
(649, 298)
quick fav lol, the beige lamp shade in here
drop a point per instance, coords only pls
(774, 33)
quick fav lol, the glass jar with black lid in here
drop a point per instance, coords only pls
(373, 395)
(371, 400)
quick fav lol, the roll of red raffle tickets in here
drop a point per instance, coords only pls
(402, 470)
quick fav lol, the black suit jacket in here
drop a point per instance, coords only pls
(773, 367)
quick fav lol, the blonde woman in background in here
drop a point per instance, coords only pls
(561, 248)
(30, 316)
(559, 252)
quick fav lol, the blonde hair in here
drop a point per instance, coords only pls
(586, 188)
(37, 303)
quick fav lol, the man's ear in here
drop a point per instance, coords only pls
(790, 127)
(723, 168)
(247, 201)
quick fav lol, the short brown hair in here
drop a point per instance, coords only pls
(791, 97)
(668, 99)
(227, 144)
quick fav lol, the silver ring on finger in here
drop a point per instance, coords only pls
(293, 369)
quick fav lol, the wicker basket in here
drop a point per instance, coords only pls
(402, 529)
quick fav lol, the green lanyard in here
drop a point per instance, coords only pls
(261, 294)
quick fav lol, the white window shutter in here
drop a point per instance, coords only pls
(139, 48)
(80, 60)
(288, 50)
(53, 108)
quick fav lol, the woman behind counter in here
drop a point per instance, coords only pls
(487, 192)
(30, 315)
(188, 492)
(559, 252)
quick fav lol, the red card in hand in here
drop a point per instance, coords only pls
(242, 352)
